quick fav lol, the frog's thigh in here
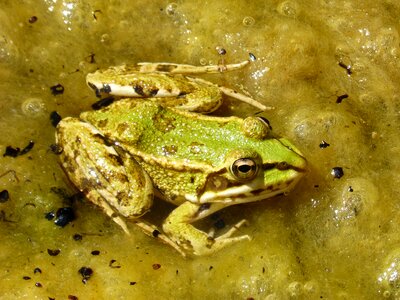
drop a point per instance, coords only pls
(172, 68)
(178, 227)
(110, 179)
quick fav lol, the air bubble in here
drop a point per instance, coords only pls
(386, 294)
(203, 61)
(248, 21)
(105, 38)
(311, 288)
(8, 50)
(33, 107)
(288, 9)
(389, 277)
(272, 297)
(295, 288)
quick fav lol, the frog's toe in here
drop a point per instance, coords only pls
(227, 240)
(211, 246)
(122, 223)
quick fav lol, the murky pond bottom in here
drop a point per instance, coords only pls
(330, 69)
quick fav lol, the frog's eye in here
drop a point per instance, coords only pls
(244, 169)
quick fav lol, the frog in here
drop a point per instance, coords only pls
(153, 137)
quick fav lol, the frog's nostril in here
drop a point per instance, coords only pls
(282, 166)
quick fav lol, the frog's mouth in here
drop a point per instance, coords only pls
(221, 190)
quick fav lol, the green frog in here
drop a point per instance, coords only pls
(152, 138)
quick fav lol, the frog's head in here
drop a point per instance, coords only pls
(265, 168)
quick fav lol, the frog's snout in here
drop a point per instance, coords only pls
(297, 162)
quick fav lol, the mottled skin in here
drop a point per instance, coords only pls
(122, 154)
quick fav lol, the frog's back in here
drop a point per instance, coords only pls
(167, 133)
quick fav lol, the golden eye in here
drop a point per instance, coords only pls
(244, 169)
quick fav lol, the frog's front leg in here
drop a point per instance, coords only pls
(177, 226)
(108, 176)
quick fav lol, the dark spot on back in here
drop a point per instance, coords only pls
(154, 92)
(139, 90)
(122, 197)
(102, 140)
(121, 128)
(117, 159)
(102, 123)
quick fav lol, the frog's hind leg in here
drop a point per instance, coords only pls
(107, 175)
(207, 97)
(242, 97)
(231, 93)
(172, 68)
(190, 69)
(185, 235)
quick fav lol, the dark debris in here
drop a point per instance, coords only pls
(64, 215)
(53, 252)
(337, 172)
(4, 196)
(55, 118)
(57, 89)
(86, 273)
(14, 152)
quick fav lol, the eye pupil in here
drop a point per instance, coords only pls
(244, 168)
